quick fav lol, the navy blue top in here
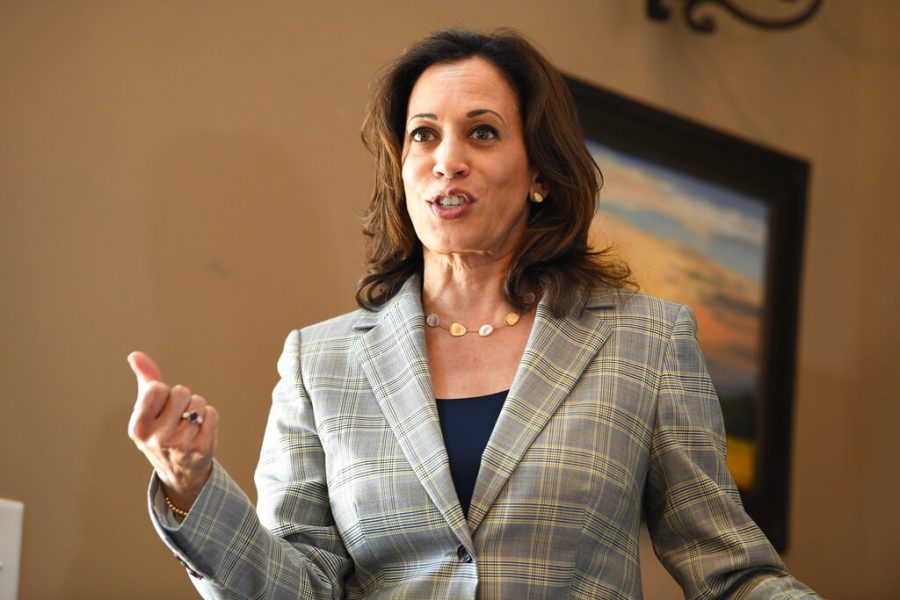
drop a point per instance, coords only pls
(467, 424)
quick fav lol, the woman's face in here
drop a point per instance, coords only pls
(465, 170)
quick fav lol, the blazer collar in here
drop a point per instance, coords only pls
(393, 356)
(557, 352)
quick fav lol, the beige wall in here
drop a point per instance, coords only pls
(186, 178)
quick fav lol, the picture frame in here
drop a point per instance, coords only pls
(717, 222)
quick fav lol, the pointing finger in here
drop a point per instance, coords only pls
(144, 368)
(149, 404)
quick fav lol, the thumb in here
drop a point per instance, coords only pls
(144, 368)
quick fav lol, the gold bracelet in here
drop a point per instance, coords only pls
(178, 512)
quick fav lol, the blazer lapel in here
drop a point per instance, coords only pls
(557, 352)
(392, 354)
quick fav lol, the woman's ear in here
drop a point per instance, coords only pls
(539, 189)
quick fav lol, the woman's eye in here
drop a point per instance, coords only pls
(422, 134)
(484, 132)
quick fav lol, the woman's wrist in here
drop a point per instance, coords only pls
(180, 498)
(180, 514)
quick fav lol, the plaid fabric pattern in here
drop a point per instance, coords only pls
(611, 415)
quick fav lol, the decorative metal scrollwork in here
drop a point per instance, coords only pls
(657, 11)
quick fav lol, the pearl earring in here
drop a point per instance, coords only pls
(537, 197)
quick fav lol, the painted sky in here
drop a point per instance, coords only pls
(724, 225)
(693, 242)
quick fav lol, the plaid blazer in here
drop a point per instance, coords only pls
(611, 415)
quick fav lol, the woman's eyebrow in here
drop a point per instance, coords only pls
(471, 114)
(480, 111)
(431, 116)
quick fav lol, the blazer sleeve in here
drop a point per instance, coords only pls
(699, 528)
(289, 547)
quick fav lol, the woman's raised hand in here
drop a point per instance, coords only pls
(176, 431)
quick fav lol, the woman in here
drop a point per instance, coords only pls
(501, 411)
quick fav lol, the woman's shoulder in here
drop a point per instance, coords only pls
(336, 327)
(331, 337)
(625, 305)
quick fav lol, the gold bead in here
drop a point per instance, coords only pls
(457, 329)
(511, 318)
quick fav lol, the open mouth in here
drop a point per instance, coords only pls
(451, 200)
(451, 204)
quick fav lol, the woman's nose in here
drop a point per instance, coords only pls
(450, 159)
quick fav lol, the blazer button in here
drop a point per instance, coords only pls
(463, 554)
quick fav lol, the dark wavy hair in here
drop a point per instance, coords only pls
(553, 253)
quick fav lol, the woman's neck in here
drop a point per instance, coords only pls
(465, 288)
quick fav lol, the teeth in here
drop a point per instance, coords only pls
(449, 201)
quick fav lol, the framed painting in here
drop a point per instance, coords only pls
(715, 222)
